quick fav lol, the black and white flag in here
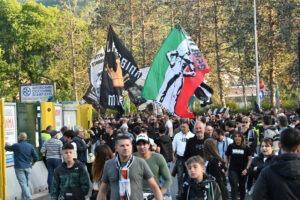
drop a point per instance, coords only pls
(119, 74)
(92, 95)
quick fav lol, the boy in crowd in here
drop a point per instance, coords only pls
(199, 186)
(68, 137)
(71, 180)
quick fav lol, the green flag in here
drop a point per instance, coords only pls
(176, 73)
(158, 68)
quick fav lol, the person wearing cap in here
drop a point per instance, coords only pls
(157, 164)
(53, 150)
(24, 158)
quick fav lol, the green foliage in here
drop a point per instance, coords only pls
(35, 41)
(242, 110)
(289, 104)
(265, 104)
(232, 105)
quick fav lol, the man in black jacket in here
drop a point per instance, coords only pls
(281, 180)
(81, 145)
(194, 146)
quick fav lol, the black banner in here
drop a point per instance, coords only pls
(120, 72)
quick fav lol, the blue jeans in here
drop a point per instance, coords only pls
(23, 177)
(52, 164)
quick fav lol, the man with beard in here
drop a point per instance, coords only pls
(194, 146)
(156, 162)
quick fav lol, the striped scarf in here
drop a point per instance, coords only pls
(124, 181)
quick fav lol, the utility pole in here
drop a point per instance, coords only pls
(256, 58)
(143, 34)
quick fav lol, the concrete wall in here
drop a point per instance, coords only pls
(37, 181)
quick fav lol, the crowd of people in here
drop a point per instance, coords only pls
(131, 158)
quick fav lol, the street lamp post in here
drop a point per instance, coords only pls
(256, 58)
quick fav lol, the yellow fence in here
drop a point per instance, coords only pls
(2, 154)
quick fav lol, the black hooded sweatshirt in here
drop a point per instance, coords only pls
(280, 180)
(208, 189)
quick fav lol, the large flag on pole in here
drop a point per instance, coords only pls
(177, 71)
(119, 74)
(92, 95)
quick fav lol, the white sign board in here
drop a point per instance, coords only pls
(33, 93)
(58, 117)
(69, 118)
(10, 129)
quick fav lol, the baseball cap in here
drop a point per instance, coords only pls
(53, 133)
(142, 137)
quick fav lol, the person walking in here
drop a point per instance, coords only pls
(157, 164)
(24, 157)
(82, 147)
(102, 153)
(222, 141)
(71, 180)
(53, 150)
(194, 145)
(238, 157)
(199, 186)
(179, 144)
(281, 179)
(45, 136)
(215, 165)
(125, 173)
(164, 147)
(261, 161)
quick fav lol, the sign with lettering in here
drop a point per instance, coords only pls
(10, 129)
(58, 116)
(37, 92)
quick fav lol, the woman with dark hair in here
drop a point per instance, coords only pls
(264, 159)
(102, 153)
(238, 160)
(215, 165)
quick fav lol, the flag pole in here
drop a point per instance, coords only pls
(256, 57)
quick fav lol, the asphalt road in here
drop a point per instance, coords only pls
(45, 195)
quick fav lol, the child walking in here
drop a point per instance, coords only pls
(199, 186)
(71, 180)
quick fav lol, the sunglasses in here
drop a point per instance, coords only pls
(244, 122)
